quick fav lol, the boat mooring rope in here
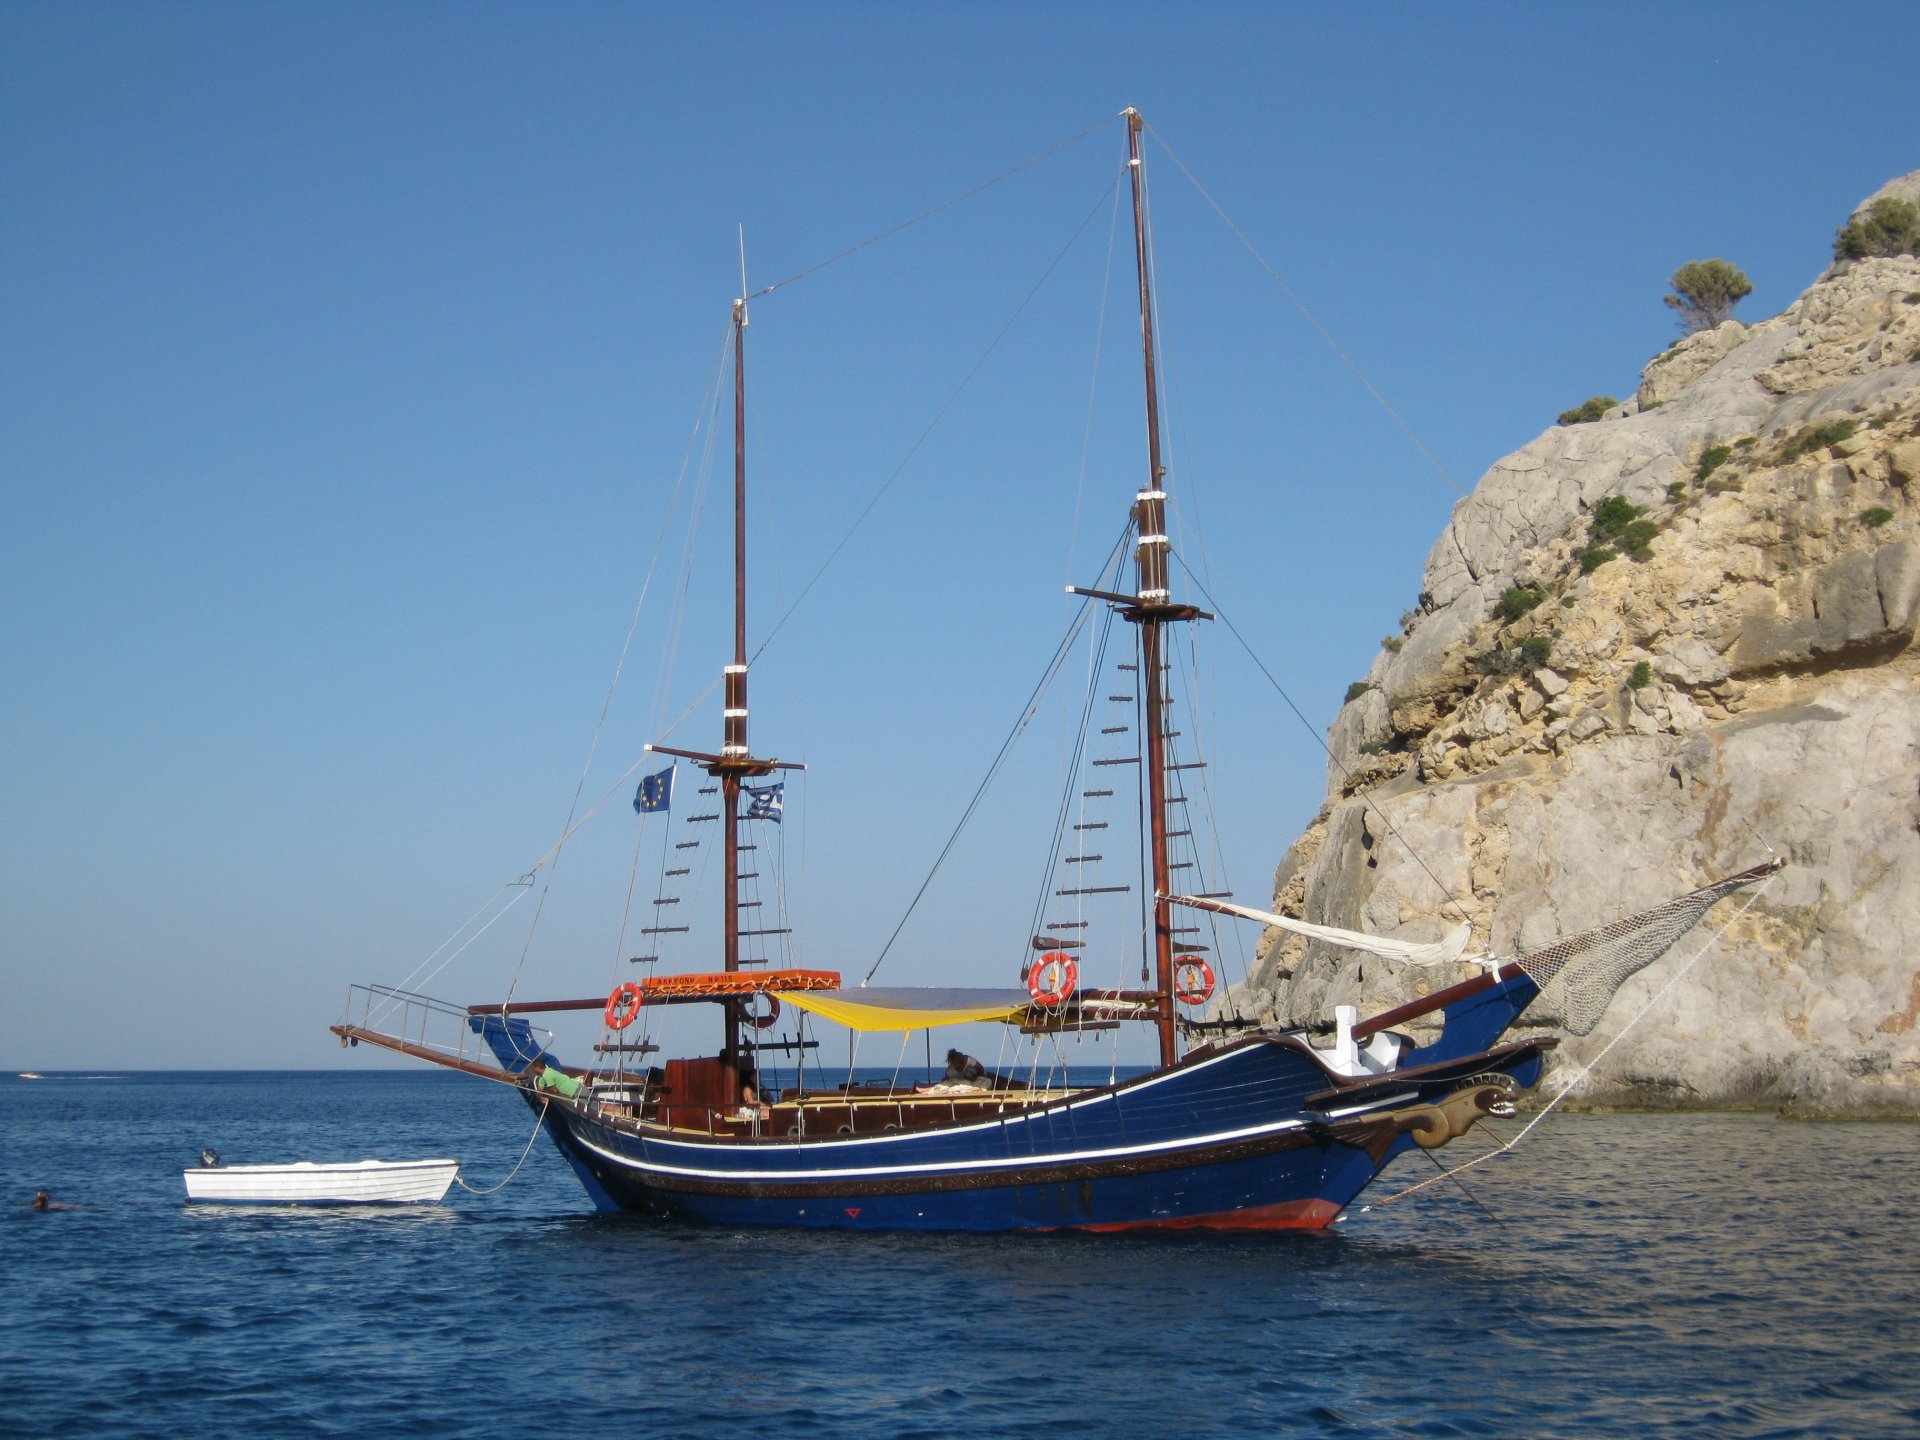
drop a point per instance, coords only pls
(537, 1121)
(1508, 1146)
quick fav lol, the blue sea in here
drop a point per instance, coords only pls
(1642, 1276)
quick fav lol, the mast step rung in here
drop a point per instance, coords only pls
(696, 819)
(1097, 890)
(709, 789)
(1186, 945)
(1094, 794)
(1121, 699)
(1178, 834)
(642, 959)
(738, 848)
(1189, 765)
(1053, 942)
(1092, 825)
(1175, 800)
(666, 929)
(748, 904)
(748, 875)
(1083, 859)
(1068, 925)
(786, 931)
(1126, 667)
(686, 844)
(1181, 865)
(670, 900)
(682, 871)
(1115, 729)
(1122, 760)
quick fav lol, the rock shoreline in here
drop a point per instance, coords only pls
(1564, 733)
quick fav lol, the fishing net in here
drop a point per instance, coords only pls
(1594, 964)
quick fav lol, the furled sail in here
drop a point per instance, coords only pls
(1434, 952)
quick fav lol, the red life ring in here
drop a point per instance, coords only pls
(1192, 980)
(623, 1005)
(1051, 981)
(758, 1019)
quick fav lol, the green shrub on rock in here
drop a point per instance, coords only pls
(1705, 292)
(1518, 600)
(1890, 227)
(1587, 413)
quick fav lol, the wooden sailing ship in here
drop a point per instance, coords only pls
(1235, 1126)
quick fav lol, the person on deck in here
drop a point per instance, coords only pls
(963, 1069)
(552, 1078)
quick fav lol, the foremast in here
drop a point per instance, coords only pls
(736, 763)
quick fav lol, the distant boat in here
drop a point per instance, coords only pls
(363, 1182)
(29, 1075)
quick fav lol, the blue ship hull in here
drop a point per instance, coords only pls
(1259, 1134)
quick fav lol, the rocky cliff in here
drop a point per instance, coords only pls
(1647, 652)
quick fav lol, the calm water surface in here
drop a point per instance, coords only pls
(1632, 1277)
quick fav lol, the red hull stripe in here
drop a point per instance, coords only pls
(1290, 1215)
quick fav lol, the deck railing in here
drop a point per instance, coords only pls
(420, 1020)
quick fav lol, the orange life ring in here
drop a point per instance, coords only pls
(1192, 980)
(623, 1005)
(1051, 981)
(756, 1018)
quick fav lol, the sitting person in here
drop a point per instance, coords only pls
(964, 1069)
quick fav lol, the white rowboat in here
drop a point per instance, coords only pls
(363, 1182)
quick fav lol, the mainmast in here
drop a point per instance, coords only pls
(1151, 609)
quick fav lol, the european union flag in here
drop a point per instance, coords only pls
(655, 793)
(768, 801)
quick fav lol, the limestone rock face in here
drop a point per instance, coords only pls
(1622, 729)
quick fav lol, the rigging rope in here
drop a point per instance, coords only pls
(932, 425)
(1311, 318)
(606, 705)
(929, 214)
(1361, 795)
(1027, 712)
(461, 1182)
(1507, 1146)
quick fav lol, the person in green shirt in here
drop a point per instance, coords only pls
(553, 1078)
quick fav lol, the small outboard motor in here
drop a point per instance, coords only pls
(209, 1159)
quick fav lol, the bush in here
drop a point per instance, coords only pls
(1890, 227)
(1712, 460)
(1820, 437)
(1592, 558)
(1616, 519)
(1876, 517)
(1357, 689)
(1705, 292)
(1641, 677)
(1518, 600)
(1529, 653)
(1588, 412)
(1391, 644)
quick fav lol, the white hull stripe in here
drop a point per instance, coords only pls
(943, 1167)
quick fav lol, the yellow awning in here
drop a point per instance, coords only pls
(870, 1008)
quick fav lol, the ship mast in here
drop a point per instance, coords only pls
(735, 764)
(1152, 609)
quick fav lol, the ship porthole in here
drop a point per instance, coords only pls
(844, 1130)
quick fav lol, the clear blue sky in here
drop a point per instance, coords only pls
(350, 353)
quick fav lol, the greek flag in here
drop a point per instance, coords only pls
(655, 793)
(768, 801)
